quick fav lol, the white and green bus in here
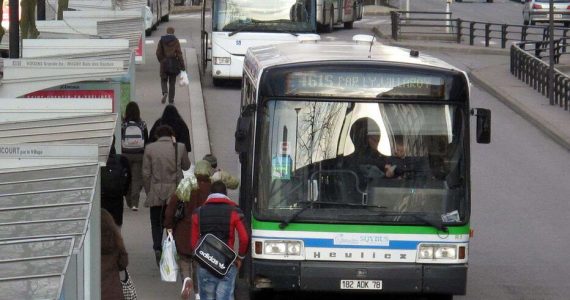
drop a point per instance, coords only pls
(355, 168)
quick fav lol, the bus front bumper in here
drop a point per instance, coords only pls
(327, 276)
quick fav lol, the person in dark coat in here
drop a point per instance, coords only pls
(115, 182)
(172, 118)
(168, 51)
(114, 258)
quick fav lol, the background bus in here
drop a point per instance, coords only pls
(161, 10)
(336, 12)
(239, 24)
(355, 167)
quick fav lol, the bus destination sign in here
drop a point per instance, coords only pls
(364, 84)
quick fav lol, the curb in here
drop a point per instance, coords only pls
(540, 123)
(200, 134)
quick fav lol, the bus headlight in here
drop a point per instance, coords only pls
(222, 60)
(434, 253)
(292, 248)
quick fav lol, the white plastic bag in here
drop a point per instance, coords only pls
(183, 78)
(168, 266)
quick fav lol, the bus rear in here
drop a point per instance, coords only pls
(359, 178)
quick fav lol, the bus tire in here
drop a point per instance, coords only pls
(259, 295)
(350, 25)
(218, 82)
(166, 18)
(440, 297)
(148, 32)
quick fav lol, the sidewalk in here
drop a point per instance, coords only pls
(136, 227)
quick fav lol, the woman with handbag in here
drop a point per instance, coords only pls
(163, 162)
(181, 228)
(114, 258)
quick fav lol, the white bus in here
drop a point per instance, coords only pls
(323, 130)
(239, 24)
(160, 13)
(336, 12)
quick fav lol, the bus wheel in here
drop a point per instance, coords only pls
(166, 18)
(260, 295)
(440, 297)
(218, 81)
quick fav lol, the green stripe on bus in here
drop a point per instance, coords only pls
(262, 225)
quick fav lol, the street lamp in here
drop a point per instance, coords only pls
(551, 53)
(297, 109)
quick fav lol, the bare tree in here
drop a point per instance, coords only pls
(28, 28)
(61, 6)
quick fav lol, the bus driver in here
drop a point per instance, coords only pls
(366, 160)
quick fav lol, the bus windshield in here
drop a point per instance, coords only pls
(263, 16)
(362, 162)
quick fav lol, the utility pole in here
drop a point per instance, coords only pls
(447, 15)
(14, 28)
(551, 54)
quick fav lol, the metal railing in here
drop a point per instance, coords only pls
(458, 30)
(534, 72)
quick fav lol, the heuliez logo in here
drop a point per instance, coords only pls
(212, 259)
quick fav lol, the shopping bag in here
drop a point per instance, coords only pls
(129, 292)
(183, 79)
(168, 266)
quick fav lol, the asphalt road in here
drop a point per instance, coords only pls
(520, 184)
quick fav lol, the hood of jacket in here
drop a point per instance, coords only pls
(168, 39)
(219, 198)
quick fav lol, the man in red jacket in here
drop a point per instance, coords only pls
(221, 217)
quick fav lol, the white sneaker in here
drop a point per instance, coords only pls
(134, 208)
(197, 296)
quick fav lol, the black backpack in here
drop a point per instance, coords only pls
(114, 179)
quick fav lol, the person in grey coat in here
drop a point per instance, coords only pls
(161, 176)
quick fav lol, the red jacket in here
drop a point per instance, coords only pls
(236, 223)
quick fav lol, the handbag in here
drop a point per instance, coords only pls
(180, 211)
(214, 255)
(129, 292)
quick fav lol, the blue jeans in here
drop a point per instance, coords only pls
(215, 288)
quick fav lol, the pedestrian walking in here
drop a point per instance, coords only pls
(172, 118)
(115, 181)
(221, 217)
(169, 55)
(181, 229)
(134, 139)
(163, 163)
(114, 258)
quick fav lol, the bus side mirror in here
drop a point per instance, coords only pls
(483, 125)
(242, 134)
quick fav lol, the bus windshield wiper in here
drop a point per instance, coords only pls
(304, 206)
(307, 204)
(436, 223)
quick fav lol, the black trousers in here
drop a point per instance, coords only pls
(168, 85)
(157, 225)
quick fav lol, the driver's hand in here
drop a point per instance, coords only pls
(389, 170)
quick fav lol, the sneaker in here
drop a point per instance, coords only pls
(163, 100)
(157, 255)
(197, 296)
(186, 289)
(134, 208)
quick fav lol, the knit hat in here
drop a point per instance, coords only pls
(211, 159)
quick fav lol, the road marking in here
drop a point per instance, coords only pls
(376, 22)
(182, 41)
(149, 42)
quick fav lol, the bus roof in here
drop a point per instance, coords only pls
(261, 57)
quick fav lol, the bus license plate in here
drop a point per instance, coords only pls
(361, 284)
